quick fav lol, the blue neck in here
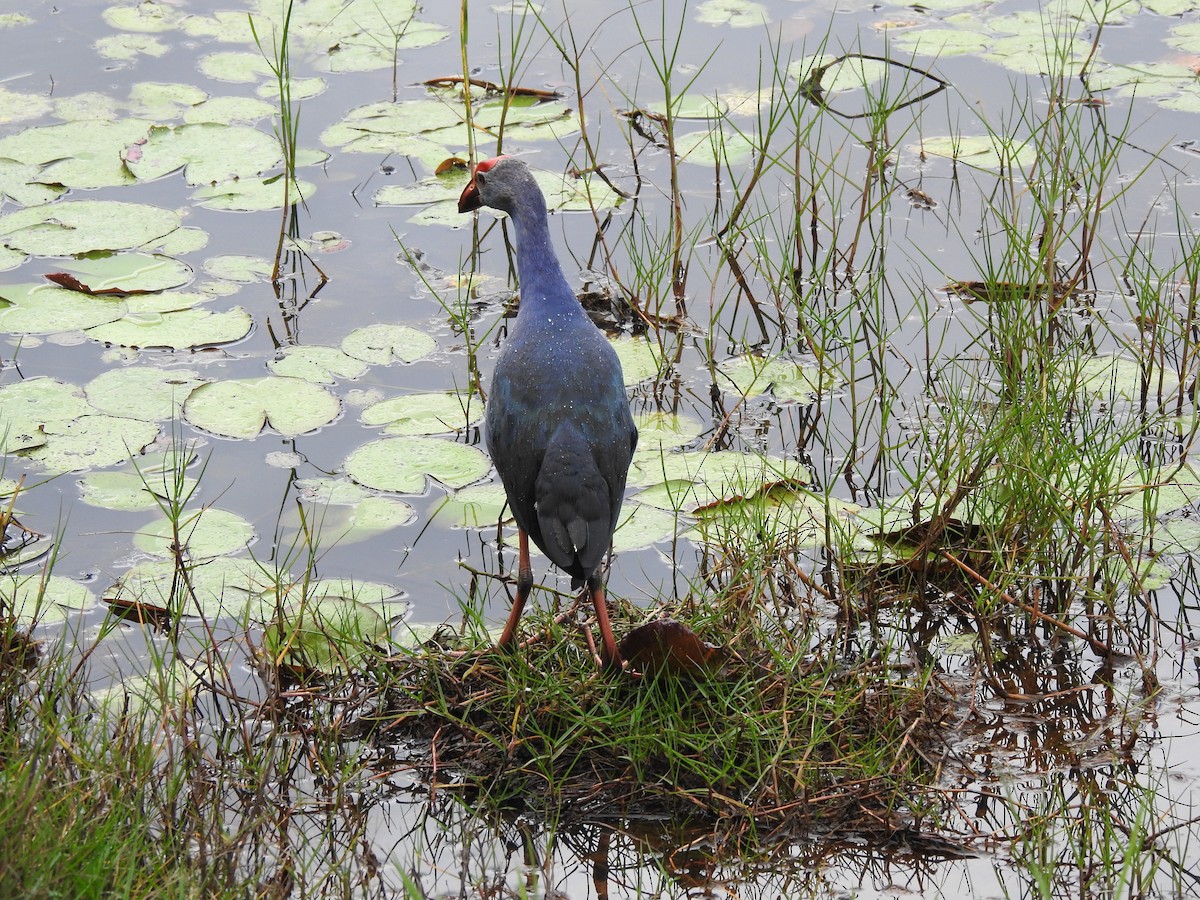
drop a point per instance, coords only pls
(544, 288)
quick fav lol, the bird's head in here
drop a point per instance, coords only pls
(497, 183)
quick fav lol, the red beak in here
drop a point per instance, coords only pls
(469, 199)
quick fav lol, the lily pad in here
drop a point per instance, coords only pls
(142, 392)
(91, 441)
(49, 309)
(161, 101)
(48, 599)
(229, 111)
(697, 478)
(206, 152)
(326, 636)
(204, 533)
(643, 526)
(121, 491)
(241, 408)
(640, 359)
(980, 151)
(18, 106)
(80, 226)
(25, 406)
(252, 194)
(220, 586)
(403, 464)
(147, 17)
(129, 271)
(381, 344)
(1122, 377)
(234, 267)
(734, 13)
(433, 413)
(752, 375)
(177, 330)
(477, 506)
(160, 692)
(128, 47)
(665, 430)
(320, 365)
(351, 523)
(19, 183)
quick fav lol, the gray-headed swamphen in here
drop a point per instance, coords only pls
(559, 428)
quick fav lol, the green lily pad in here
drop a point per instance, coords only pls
(204, 533)
(19, 183)
(75, 227)
(48, 599)
(121, 491)
(142, 392)
(437, 188)
(980, 151)
(49, 309)
(163, 691)
(220, 586)
(752, 375)
(381, 344)
(234, 267)
(402, 464)
(241, 408)
(342, 524)
(161, 102)
(643, 526)
(206, 152)
(128, 47)
(91, 441)
(179, 242)
(17, 106)
(433, 413)
(129, 271)
(25, 406)
(252, 194)
(147, 17)
(640, 359)
(734, 13)
(387, 599)
(1122, 377)
(477, 506)
(177, 330)
(237, 66)
(713, 146)
(229, 111)
(665, 430)
(698, 478)
(320, 365)
(326, 636)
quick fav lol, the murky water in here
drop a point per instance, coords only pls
(1016, 759)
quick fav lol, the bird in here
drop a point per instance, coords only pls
(557, 425)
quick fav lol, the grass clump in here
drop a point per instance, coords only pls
(777, 729)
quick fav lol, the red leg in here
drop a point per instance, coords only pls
(524, 586)
(610, 656)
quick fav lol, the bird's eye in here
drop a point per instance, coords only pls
(479, 179)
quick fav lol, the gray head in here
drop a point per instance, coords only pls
(501, 183)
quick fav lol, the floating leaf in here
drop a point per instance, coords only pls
(439, 188)
(16, 106)
(734, 13)
(320, 365)
(326, 636)
(433, 413)
(80, 226)
(240, 408)
(381, 344)
(233, 267)
(697, 478)
(349, 524)
(252, 194)
(142, 392)
(220, 586)
(128, 47)
(91, 442)
(665, 430)
(163, 691)
(980, 152)
(235, 66)
(19, 183)
(640, 359)
(129, 271)
(162, 102)
(178, 330)
(206, 152)
(752, 375)
(478, 506)
(123, 491)
(202, 534)
(48, 599)
(146, 17)
(49, 309)
(229, 111)
(25, 406)
(642, 526)
(402, 464)
(1122, 377)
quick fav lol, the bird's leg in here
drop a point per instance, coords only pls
(610, 656)
(524, 586)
